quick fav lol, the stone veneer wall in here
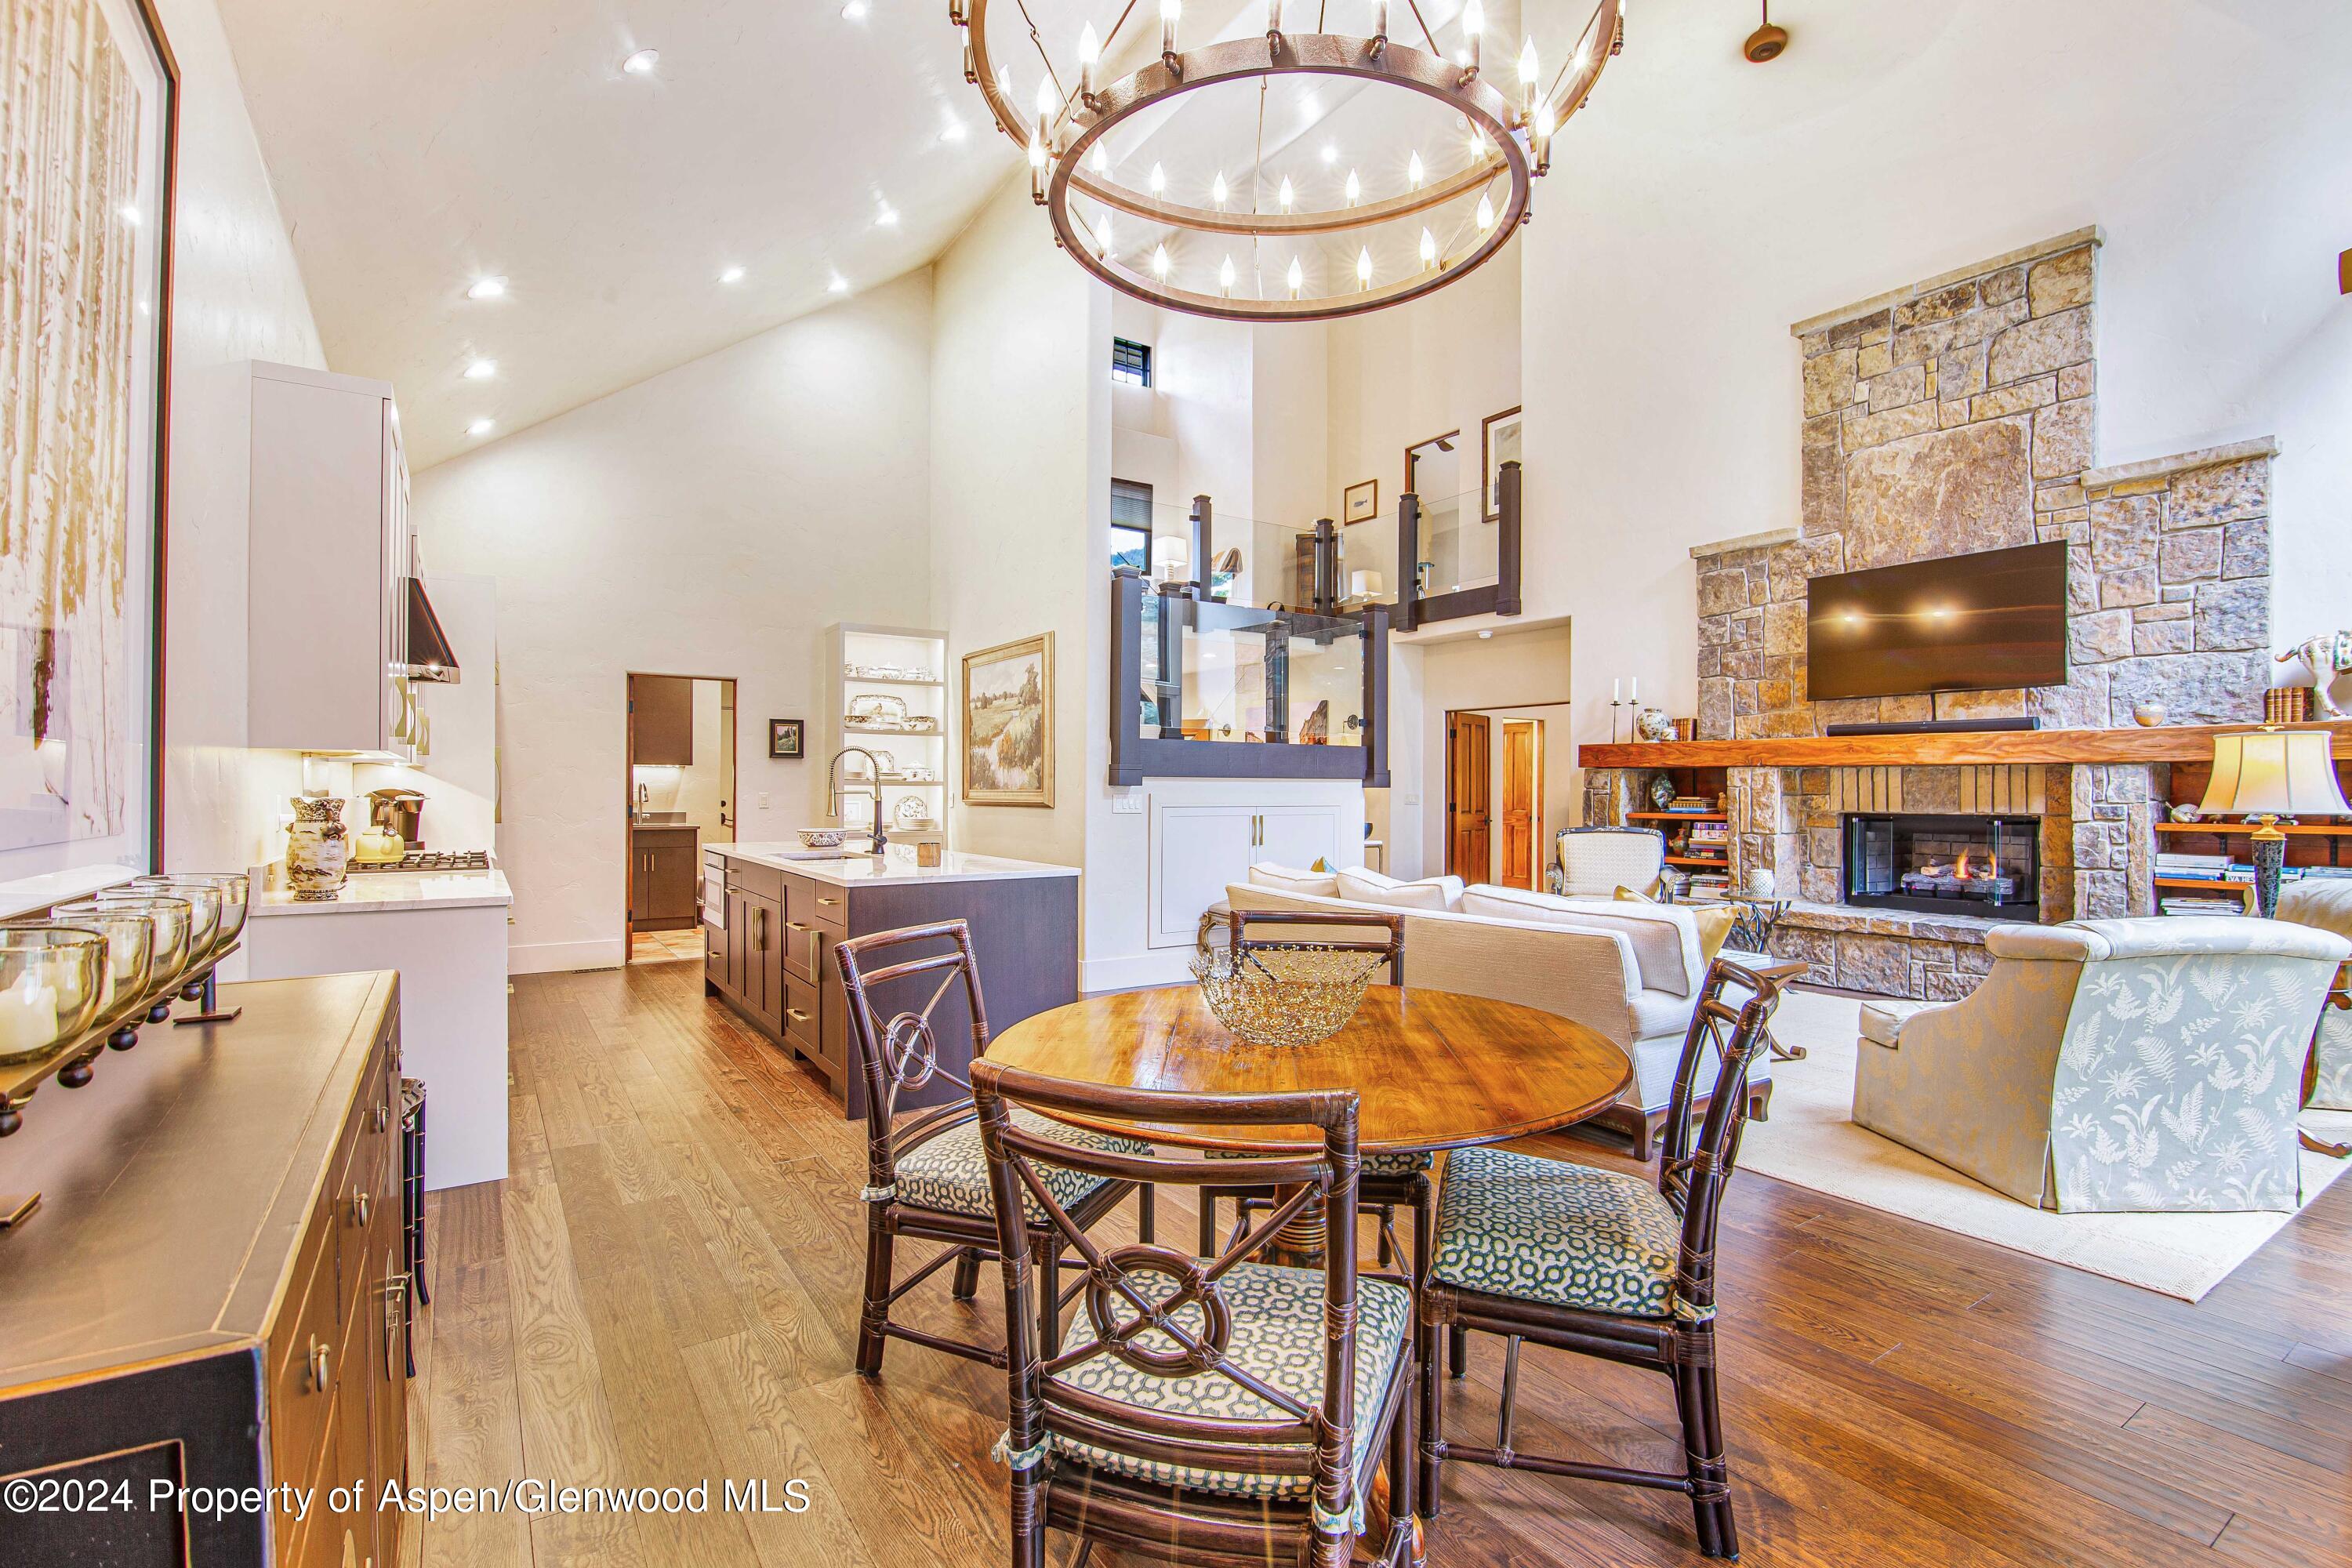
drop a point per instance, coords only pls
(1958, 416)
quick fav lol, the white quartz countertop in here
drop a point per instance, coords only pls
(863, 870)
(384, 892)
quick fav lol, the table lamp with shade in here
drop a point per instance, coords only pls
(2265, 775)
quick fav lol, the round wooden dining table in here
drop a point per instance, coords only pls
(1433, 1069)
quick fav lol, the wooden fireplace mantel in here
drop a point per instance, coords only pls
(2163, 744)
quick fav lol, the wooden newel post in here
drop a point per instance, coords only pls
(1506, 542)
(1408, 561)
(1204, 533)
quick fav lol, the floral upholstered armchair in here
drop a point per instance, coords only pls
(2327, 903)
(2112, 1064)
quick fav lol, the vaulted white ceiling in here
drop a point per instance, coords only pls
(419, 147)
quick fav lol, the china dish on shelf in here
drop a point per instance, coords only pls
(881, 710)
(910, 811)
(885, 672)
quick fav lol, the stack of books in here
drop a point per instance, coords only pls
(2199, 904)
(2176, 863)
(1709, 885)
(1691, 802)
(2286, 705)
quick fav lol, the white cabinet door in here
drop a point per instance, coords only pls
(1298, 836)
(1196, 850)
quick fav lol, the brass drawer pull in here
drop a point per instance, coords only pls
(379, 1117)
(828, 902)
(799, 925)
(362, 1206)
(321, 1354)
(796, 1016)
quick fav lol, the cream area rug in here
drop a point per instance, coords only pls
(1812, 1141)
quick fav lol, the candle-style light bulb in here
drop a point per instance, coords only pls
(1428, 249)
(1089, 52)
(1159, 181)
(1218, 191)
(1540, 141)
(1098, 160)
(1047, 102)
(1474, 22)
(1355, 188)
(1529, 66)
(1486, 215)
(1297, 277)
(1479, 151)
(1170, 11)
(1286, 197)
(1364, 268)
(1413, 174)
(1102, 232)
(1225, 279)
(1380, 19)
(1160, 263)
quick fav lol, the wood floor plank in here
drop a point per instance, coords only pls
(665, 1291)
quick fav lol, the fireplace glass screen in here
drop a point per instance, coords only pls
(1945, 865)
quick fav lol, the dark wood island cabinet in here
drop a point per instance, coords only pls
(212, 1294)
(770, 948)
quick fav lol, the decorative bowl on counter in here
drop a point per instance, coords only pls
(52, 982)
(1279, 993)
(822, 837)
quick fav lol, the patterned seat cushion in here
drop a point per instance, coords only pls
(1544, 1230)
(950, 1172)
(1403, 1162)
(1277, 1338)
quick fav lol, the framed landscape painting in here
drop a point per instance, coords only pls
(87, 116)
(1008, 724)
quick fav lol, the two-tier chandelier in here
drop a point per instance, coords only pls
(1296, 261)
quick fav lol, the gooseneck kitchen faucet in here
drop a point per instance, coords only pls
(834, 795)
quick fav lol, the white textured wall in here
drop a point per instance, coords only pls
(1020, 494)
(1702, 204)
(710, 521)
(237, 294)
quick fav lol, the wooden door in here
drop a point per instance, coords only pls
(1469, 796)
(1522, 814)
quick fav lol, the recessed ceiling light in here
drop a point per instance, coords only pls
(854, 10)
(1330, 152)
(888, 217)
(731, 274)
(482, 426)
(839, 285)
(481, 370)
(642, 63)
(487, 289)
(129, 214)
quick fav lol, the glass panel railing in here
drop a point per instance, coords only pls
(1255, 561)
(1459, 542)
(1238, 673)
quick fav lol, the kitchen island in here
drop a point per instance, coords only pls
(771, 917)
(445, 933)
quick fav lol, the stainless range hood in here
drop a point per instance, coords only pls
(430, 657)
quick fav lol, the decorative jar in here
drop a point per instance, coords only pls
(316, 847)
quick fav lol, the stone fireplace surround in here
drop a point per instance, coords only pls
(1955, 416)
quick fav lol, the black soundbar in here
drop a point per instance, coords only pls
(1934, 727)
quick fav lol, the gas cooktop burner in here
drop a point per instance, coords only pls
(430, 860)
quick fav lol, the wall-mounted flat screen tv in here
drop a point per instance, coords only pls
(1966, 623)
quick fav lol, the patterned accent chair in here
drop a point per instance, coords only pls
(1605, 1264)
(1219, 1411)
(2326, 904)
(1387, 1182)
(2111, 1066)
(926, 1178)
(1594, 862)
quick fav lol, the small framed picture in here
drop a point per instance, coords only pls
(1362, 502)
(785, 738)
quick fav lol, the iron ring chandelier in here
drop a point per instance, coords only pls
(1511, 142)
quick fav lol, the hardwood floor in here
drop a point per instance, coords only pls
(665, 1292)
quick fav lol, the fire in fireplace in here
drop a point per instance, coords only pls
(1945, 865)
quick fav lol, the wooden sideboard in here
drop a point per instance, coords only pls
(211, 1294)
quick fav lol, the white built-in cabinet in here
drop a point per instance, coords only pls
(1199, 847)
(330, 547)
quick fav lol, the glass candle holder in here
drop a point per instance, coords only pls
(52, 979)
(129, 945)
(232, 885)
(169, 918)
(204, 900)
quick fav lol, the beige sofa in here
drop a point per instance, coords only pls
(2111, 1066)
(1630, 971)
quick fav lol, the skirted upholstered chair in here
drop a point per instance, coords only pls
(1594, 862)
(2326, 903)
(2111, 1066)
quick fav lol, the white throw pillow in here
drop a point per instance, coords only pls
(1369, 887)
(1307, 884)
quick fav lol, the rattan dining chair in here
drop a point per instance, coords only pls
(1605, 1264)
(1218, 1411)
(926, 1177)
(1388, 1180)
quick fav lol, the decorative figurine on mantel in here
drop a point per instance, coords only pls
(2329, 655)
(1654, 724)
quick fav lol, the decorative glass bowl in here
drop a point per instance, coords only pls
(52, 982)
(1285, 993)
(169, 918)
(129, 945)
(205, 902)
